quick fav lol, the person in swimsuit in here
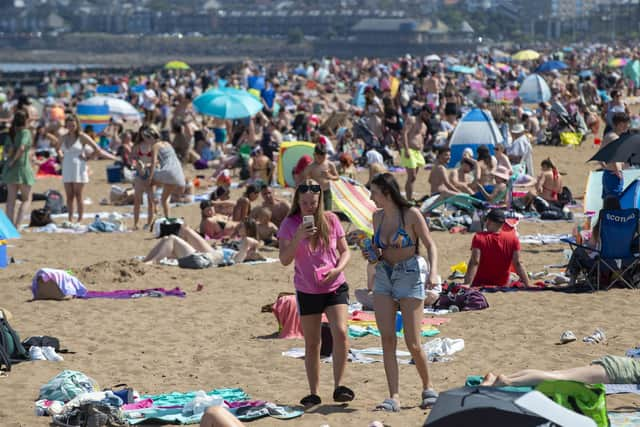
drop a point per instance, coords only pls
(141, 157)
(398, 281)
(73, 146)
(212, 226)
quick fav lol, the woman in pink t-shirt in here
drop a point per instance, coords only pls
(315, 240)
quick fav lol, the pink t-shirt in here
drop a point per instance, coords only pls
(308, 260)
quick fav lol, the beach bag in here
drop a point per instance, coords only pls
(67, 385)
(54, 202)
(464, 298)
(40, 217)
(195, 261)
(588, 400)
(91, 414)
(42, 341)
(565, 197)
(11, 350)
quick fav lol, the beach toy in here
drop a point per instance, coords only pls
(398, 321)
(460, 267)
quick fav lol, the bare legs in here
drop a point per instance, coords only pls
(412, 312)
(591, 374)
(140, 188)
(12, 198)
(169, 247)
(412, 175)
(311, 329)
(217, 416)
(167, 190)
(74, 191)
(337, 315)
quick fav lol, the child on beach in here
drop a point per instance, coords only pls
(266, 230)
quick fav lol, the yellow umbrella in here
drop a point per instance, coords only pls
(526, 55)
(176, 65)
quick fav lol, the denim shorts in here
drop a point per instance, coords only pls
(401, 280)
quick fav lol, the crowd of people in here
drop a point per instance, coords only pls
(377, 114)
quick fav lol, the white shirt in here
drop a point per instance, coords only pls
(521, 147)
(374, 157)
(148, 99)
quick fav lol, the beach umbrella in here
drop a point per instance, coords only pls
(432, 58)
(550, 66)
(625, 149)
(526, 55)
(461, 69)
(176, 65)
(290, 154)
(118, 108)
(227, 103)
(476, 128)
(534, 90)
(617, 62)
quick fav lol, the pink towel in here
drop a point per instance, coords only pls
(286, 311)
(140, 404)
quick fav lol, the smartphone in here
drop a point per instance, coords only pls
(308, 221)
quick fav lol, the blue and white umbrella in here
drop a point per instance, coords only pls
(118, 108)
(534, 90)
(550, 66)
(476, 128)
(227, 103)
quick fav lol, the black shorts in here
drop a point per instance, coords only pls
(317, 303)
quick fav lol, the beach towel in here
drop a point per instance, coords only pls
(286, 311)
(353, 199)
(624, 419)
(50, 283)
(365, 316)
(359, 331)
(622, 388)
(135, 293)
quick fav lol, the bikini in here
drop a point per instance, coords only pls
(401, 238)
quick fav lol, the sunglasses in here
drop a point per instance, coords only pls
(305, 188)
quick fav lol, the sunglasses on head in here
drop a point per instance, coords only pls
(304, 188)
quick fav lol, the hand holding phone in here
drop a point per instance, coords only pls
(308, 221)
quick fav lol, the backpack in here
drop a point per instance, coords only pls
(465, 299)
(40, 217)
(55, 202)
(91, 414)
(11, 350)
(565, 197)
(588, 400)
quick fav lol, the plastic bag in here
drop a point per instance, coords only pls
(67, 385)
(200, 403)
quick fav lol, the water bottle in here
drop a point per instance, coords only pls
(372, 255)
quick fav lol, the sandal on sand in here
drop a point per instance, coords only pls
(429, 397)
(310, 400)
(343, 394)
(596, 337)
(388, 405)
(567, 337)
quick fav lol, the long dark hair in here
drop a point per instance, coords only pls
(388, 185)
(19, 121)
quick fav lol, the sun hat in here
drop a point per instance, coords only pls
(517, 128)
(502, 172)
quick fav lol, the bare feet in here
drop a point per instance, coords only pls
(488, 380)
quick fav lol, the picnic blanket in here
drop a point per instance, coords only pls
(135, 293)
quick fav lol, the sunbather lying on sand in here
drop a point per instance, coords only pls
(606, 370)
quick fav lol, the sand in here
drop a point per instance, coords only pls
(218, 337)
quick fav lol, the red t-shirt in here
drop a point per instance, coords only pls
(496, 254)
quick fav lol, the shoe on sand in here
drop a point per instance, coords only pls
(596, 337)
(35, 353)
(50, 354)
(567, 337)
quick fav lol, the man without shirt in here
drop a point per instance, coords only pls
(439, 179)
(323, 172)
(411, 157)
(279, 208)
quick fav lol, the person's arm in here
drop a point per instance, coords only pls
(472, 268)
(422, 231)
(332, 173)
(519, 266)
(87, 140)
(345, 256)
(18, 153)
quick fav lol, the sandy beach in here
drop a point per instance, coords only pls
(217, 337)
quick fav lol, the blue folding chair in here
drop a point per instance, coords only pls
(618, 253)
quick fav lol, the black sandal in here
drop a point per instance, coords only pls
(310, 400)
(343, 394)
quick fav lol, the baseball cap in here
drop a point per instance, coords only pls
(496, 215)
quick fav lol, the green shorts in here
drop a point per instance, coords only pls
(620, 370)
(415, 160)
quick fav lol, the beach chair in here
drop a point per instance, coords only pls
(618, 255)
(461, 201)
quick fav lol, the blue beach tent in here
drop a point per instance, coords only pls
(476, 128)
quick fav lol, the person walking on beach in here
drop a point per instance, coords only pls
(411, 157)
(75, 174)
(142, 154)
(165, 169)
(315, 242)
(17, 172)
(398, 230)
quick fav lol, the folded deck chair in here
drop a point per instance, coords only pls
(460, 201)
(619, 253)
(353, 200)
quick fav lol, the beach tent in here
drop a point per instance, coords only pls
(534, 90)
(94, 115)
(7, 230)
(353, 199)
(290, 153)
(476, 128)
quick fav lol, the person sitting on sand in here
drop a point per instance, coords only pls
(242, 209)
(439, 178)
(549, 183)
(605, 370)
(212, 226)
(495, 193)
(266, 230)
(220, 201)
(486, 164)
(458, 177)
(493, 252)
(279, 208)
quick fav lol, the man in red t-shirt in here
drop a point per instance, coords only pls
(493, 252)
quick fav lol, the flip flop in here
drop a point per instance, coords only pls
(343, 394)
(283, 412)
(310, 400)
(567, 337)
(596, 337)
(388, 405)
(429, 397)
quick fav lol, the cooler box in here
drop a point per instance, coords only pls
(4, 257)
(114, 174)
